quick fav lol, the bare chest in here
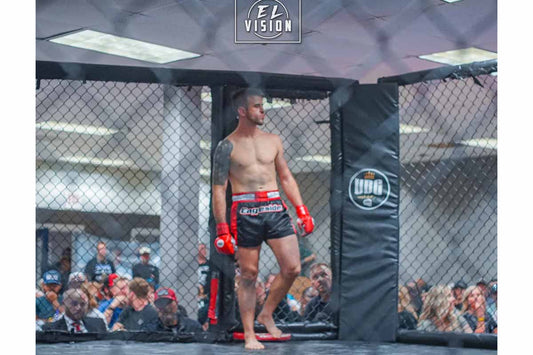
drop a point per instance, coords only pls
(253, 153)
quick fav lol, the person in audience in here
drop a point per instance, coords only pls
(492, 300)
(203, 265)
(415, 295)
(116, 290)
(458, 290)
(144, 269)
(170, 318)
(438, 311)
(203, 307)
(64, 268)
(92, 307)
(318, 309)
(99, 266)
(474, 312)
(307, 257)
(307, 295)
(76, 279)
(140, 315)
(75, 319)
(482, 285)
(48, 305)
(407, 317)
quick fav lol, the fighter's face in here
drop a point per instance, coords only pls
(255, 111)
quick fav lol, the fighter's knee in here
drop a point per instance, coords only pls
(249, 276)
(292, 271)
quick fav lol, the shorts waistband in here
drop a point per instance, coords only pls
(253, 196)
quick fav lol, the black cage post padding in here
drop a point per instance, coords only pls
(369, 230)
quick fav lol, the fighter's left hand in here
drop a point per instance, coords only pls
(306, 223)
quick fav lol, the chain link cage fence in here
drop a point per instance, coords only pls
(123, 187)
(448, 209)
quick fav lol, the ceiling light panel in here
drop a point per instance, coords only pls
(75, 128)
(460, 56)
(124, 47)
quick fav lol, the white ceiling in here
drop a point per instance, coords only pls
(360, 39)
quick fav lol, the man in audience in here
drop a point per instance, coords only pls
(116, 291)
(307, 295)
(76, 279)
(458, 291)
(318, 309)
(99, 265)
(492, 300)
(64, 267)
(170, 318)
(144, 269)
(49, 304)
(140, 315)
(203, 265)
(74, 319)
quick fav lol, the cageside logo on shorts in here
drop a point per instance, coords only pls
(369, 189)
(255, 211)
(268, 21)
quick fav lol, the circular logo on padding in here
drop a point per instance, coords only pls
(369, 189)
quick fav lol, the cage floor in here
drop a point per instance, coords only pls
(330, 347)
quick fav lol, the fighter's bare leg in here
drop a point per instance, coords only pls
(248, 263)
(288, 255)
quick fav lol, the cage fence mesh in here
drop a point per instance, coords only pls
(128, 164)
(448, 199)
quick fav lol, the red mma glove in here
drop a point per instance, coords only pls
(306, 223)
(224, 243)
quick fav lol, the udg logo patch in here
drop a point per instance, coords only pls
(268, 21)
(369, 189)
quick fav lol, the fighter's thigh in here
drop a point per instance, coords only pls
(248, 258)
(287, 252)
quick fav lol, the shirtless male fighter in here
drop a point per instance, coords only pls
(250, 158)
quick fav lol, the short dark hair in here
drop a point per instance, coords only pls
(240, 97)
(139, 287)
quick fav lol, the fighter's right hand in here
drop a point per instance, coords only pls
(224, 243)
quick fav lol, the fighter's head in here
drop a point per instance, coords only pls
(249, 105)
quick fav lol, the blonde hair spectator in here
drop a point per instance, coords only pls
(438, 311)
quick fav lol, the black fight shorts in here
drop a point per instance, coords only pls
(259, 216)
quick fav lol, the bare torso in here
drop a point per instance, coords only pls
(252, 162)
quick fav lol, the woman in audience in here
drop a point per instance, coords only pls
(474, 313)
(91, 291)
(407, 317)
(438, 311)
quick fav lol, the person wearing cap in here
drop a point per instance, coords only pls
(458, 290)
(76, 279)
(140, 315)
(49, 304)
(170, 318)
(99, 265)
(116, 290)
(144, 269)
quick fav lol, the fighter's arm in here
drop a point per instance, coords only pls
(224, 243)
(287, 181)
(221, 164)
(305, 222)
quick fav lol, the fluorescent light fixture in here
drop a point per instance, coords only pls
(487, 143)
(276, 103)
(96, 161)
(406, 129)
(326, 159)
(124, 47)
(494, 73)
(451, 1)
(460, 56)
(76, 128)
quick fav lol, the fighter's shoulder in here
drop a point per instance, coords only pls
(271, 137)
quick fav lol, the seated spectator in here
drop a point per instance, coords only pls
(92, 308)
(458, 290)
(474, 313)
(144, 269)
(307, 295)
(170, 318)
(116, 290)
(140, 314)
(76, 279)
(318, 309)
(49, 304)
(203, 307)
(63, 266)
(492, 300)
(99, 266)
(407, 317)
(75, 319)
(415, 295)
(438, 311)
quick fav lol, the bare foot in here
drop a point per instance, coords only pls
(269, 324)
(251, 343)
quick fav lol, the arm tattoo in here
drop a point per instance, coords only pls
(221, 162)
